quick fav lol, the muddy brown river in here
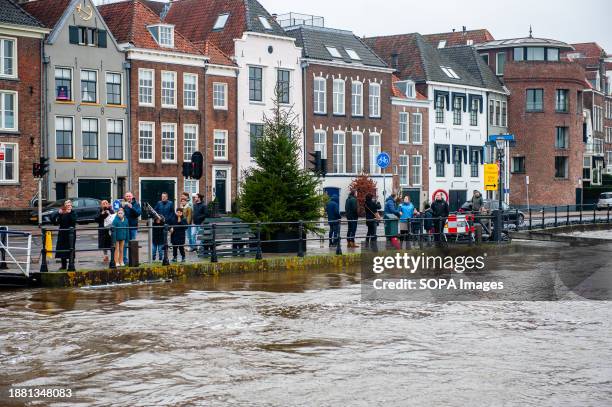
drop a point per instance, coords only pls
(301, 339)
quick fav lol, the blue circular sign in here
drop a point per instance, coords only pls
(383, 160)
(116, 205)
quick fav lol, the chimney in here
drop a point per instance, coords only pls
(395, 61)
(464, 29)
(602, 70)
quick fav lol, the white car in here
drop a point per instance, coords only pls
(605, 201)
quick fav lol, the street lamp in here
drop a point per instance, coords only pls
(501, 145)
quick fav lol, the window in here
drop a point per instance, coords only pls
(114, 130)
(417, 128)
(442, 44)
(561, 170)
(518, 165)
(191, 186)
(338, 96)
(561, 140)
(282, 85)
(64, 140)
(450, 72)
(168, 143)
(416, 176)
(535, 100)
(87, 36)
(190, 141)
(190, 91)
(89, 86)
(320, 95)
(264, 21)
(8, 57)
(320, 142)
(374, 151)
(146, 142)
(357, 98)
(597, 118)
(552, 54)
(113, 88)
(333, 51)
(474, 170)
(535, 53)
(519, 54)
(168, 89)
(9, 166)
(374, 100)
(440, 104)
(504, 114)
(403, 169)
(497, 113)
(63, 84)
(440, 169)
(256, 133)
(474, 112)
(255, 84)
(500, 63)
(338, 153)
(491, 112)
(220, 22)
(220, 145)
(8, 110)
(220, 95)
(357, 149)
(562, 100)
(457, 165)
(403, 127)
(145, 87)
(485, 57)
(166, 36)
(469, 42)
(457, 106)
(89, 133)
(352, 54)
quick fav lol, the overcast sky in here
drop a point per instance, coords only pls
(565, 20)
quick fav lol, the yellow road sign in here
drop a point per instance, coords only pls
(491, 177)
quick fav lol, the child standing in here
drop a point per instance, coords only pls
(178, 230)
(120, 235)
(158, 237)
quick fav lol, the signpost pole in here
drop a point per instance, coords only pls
(527, 182)
(39, 202)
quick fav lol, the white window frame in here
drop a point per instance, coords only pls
(504, 117)
(55, 68)
(161, 43)
(265, 23)
(120, 87)
(174, 92)
(352, 54)
(14, 57)
(221, 21)
(222, 85)
(374, 105)
(417, 128)
(185, 91)
(414, 172)
(341, 149)
(140, 102)
(318, 146)
(94, 119)
(81, 86)
(225, 145)
(123, 139)
(374, 150)
(318, 93)
(339, 98)
(174, 139)
(357, 99)
(15, 111)
(152, 159)
(404, 127)
(194, 127)
(497, 70)
(333, 51)
(359, 170)
(15, 179)
(195, 182)
(73, 138)
(404, 165)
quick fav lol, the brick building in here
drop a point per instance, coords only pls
(347, 109)
(21, 38)
(182, 100)
(545, 111)
(456, 37)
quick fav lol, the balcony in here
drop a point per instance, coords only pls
(298, 19)
(595, 147)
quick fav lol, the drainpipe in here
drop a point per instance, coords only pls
(206, 132)
(304, 66)
(128, 68)
(43, 114)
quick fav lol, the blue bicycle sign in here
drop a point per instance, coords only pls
(383, 160)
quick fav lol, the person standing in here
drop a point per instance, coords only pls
(407, 211)
(177, 233)
(391, 217)
(185, 203)
(476, 201)
(351, 210)
(66, 218)
(198, 215)
(104, 236)
(159, 237)
(165, 207)
(333, 219)
(439, 211)
(132, 211)
(371, 213)
(120, 235)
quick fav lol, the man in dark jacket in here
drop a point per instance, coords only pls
(352, 215)
(439, 210)
(165, 208)
(333, 219)
(132, 211)
(199, 214)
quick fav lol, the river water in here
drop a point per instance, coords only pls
(301, 339)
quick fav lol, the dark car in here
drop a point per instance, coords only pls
(511, 215)
(85, 208)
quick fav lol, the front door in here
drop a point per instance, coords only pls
(221, 190)
(95, 188)
(151, 189)
(60, 190)
(456, 198)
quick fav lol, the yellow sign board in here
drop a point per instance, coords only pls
(491, 177)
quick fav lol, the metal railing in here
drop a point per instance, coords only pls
(20, 256)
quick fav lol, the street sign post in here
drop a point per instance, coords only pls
(116, 205)
(383, 160)
(491, 177)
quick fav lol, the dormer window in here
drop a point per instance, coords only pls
(221, 21)
(410, 89)
(469, 42)
(442, 44)
(352, 54)
(449, 72)
(163, 34)
(264, 21)
(333, 51)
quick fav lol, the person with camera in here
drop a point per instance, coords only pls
(105, 214)
(132, 211)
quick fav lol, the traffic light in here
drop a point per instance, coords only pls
(36, 170)
(323, 167)
(197, 165)
(316, 162)
(43, 166)
(187, 169)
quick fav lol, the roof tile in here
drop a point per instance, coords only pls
(48, 12)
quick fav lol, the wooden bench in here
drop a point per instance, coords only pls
(232, 238)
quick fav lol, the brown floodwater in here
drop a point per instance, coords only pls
(301, 339)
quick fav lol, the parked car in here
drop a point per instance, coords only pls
(511, 215)
(605, 201)
(85, 208)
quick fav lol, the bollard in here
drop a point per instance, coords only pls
(555, 216)
(594, 213)
(422, 227)
(580, 215)
(44, 268)
(543, 217)
(258, 255)
(568, 215)
(4, 240)
(72, 237)
(213, 253)
(339, 241)
(165, 261)
(150, 240)
(608, 219)
(530, 221)
(301, 240)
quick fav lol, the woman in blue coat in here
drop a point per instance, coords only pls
(121, 235)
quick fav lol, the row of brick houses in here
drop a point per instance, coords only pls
(120, 95)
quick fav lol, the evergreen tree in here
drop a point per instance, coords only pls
(277, 189)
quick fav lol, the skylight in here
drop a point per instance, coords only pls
(333, 51)
(221, 20)
(351, 53)
(264, 21)
(450, 72)
(442, 44)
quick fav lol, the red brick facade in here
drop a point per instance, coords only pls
(27, 138)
